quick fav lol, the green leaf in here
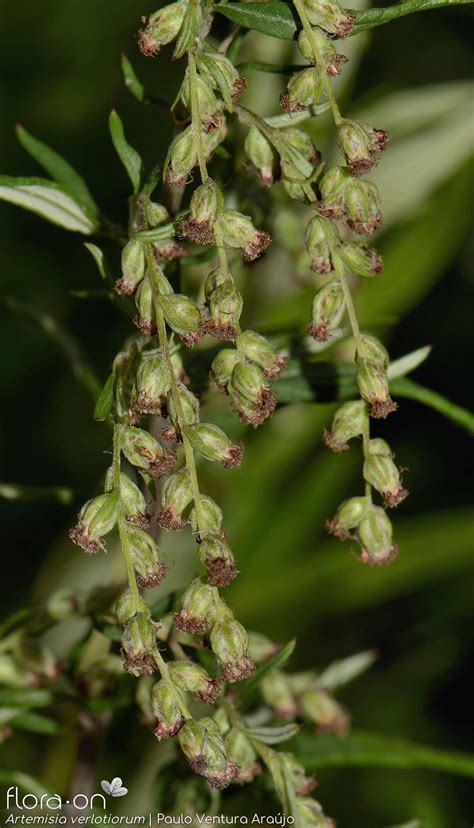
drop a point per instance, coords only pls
(128, 156)
(24, 697)
(414, 391)
(99, 257)
(32, 494)
(131, 81)
(24, 782)
(47, 199)
(361, 749)
(408, 363)
(272, 735)
(105, 400)
(71, 350)
(36, 723)
(277, 19)
(61, 170)
(278, 660)
(342, 672)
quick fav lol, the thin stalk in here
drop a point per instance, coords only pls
(317, 61)
(196, 116)
(122, 523)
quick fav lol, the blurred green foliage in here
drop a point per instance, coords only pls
(60, 76)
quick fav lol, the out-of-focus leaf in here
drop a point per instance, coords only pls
(131, 81)
(100, 260)
(32, 494)
(272, 735)
(361, 749)
(278, 660)
(105, 400)
(408, 363)
(82, 371)
(414, 391)
(24, 782)
(24, 697)
(347, 669)
(414, 823)
(36, 723)
(369, 18)
(61, 170)
(47, 199)
(127, 154)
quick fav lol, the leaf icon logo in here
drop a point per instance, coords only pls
(114, 788)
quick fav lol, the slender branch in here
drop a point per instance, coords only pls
(317, 61)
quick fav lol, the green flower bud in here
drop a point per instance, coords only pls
(165, 706)
(182, 157)
(349, 422)
(302, 784)
(142, 450)
(153, 382)
(229, 643)
(242, 753)
(188, 406)
(362, 259)
(237, 230)
(206, 204)
(262, 155)
(210, 518)
(133, 268)
(363, 207)
(325, 51)
(192, 677)
(222, 366)
(176, 495)
(225, 306)
(381, 472)
(62, 605)
(162, 27)
(332, 189)
(145, 555)
(209, 107)
(370, 349)
(373, 386)
(133, 502)
(156, 214)
(249, 392)
(348, 516)
(213, 444)
(329, 306)
(221, 74)
(320, 707)
(310, 814)
(145, 318)
(298, 155)
(330, 17)
(321, 235)
(360, 144)
(138, 645)
(256, 348)
(304, 90)
(96, 519)
(276, 691)
(218, 559)
(198, 608)
(126, 608)
(375, 535)
(205, 752)
(212, 139)
(183, 316)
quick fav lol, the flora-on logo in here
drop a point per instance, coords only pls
(114, 788)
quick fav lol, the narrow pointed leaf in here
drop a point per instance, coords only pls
(100, 260)
(128, 156)
(406, 364)
(24, 697)
(131, 81)
(47, 199)
(60, 169)
(411, 390)
(31, 494)
(272, 735)
(105, 400)
(36, 723)
(342, 672)
(278, 660)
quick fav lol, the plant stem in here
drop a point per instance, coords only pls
(196, 116)
(318, 62)
(163, 341)
(122, 523)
